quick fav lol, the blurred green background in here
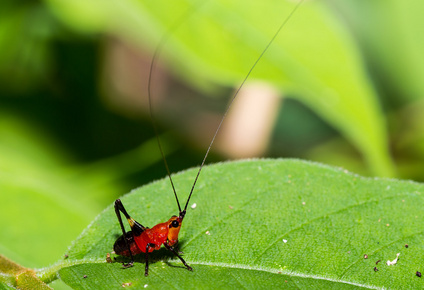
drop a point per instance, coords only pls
(342, 84)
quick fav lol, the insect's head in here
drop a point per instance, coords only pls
(174, 226)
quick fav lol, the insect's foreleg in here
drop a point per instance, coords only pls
(148, 246)
(176, 254)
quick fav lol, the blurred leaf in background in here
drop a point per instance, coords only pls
(26, 30)
(73, 77)
(389, 34)
(304, 63)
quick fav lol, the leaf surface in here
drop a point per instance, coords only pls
(264, 222)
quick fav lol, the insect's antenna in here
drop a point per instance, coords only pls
(158, 50)
(234, 97)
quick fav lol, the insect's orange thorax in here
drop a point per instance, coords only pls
(158, 235)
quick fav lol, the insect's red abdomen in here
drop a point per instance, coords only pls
(121, 248)
(156, 235)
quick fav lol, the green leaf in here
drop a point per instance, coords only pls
(14, 276)
(391, 58)
(261, 223)
(36, 195)
(25, 33)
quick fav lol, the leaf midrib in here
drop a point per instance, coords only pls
(223, 265)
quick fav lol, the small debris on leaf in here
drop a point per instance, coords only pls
(285, 241)
(418, 274)
(365, 256)
(85, 276)
(377, 262)
(145, 285)
(66, 256)
(108, 259)
(394, 261)
(193, 206)
(230, 207)
(208, 233)
(375, 269)
(406, 246)
(126, 284)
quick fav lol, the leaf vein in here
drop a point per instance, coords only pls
(284, 272)
(220, 221)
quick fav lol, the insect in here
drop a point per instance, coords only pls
(145, 240)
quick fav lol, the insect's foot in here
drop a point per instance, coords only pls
(128, 265)
(146, 274)
(189, 268)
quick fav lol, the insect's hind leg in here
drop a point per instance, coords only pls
(176, 254)
(119, 207)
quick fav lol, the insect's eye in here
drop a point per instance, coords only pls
(175, 224)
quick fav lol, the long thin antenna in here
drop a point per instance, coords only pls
(158, 50)
(235, 95)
